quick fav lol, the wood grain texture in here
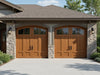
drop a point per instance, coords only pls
(32, 45)
(70, 46)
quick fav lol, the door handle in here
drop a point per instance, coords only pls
(70, 47)
(29, 47)
(32, 48)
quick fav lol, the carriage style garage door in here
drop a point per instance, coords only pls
(70, 42)
(31, 42)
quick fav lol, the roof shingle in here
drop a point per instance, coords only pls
(36, 12)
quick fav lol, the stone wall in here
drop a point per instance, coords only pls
(51, 41)
(91, 39)
(11, 39)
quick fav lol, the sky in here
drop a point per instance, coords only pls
(40, 2)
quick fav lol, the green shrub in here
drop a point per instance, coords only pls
(4, 57)
(11, 57)
(98, 49)
(97, 59)
(94, 55)
(1, 53)
(1, 62)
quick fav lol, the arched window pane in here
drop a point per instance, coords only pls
(36, 31)
(24, 31)
(27, 31)
(62, 31)
(21, 31)
(42, 31)
(77, 31)
(39, 31)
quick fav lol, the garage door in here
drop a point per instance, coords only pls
(70, 42)
(31, 42)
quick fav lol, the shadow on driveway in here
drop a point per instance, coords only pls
(10, 72)
(84, 67)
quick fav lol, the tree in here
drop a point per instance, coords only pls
(74, 5)
(92, 7)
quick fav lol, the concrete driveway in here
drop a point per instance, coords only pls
(50, 67)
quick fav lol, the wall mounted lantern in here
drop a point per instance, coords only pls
(9, 30)
(91, 31)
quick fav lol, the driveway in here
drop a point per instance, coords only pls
(50, 67)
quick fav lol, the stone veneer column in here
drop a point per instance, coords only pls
(11, 40)
(91, 39)
(50, 42)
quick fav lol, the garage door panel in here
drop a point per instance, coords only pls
(26, 44)
(78, 55)
(33, 43)
(19, 54)
(64, 44)
(82, 47)
(19, 47)
(27, 54)
(58, 54)
(66, 54)
(58, 44)
(35, 54)
(19, 44)
(44, 43)
(72, 44)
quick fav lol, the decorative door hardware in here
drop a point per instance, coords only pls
(70, 47)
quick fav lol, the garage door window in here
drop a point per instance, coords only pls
(62, 31)
(24, 31)
(21, 31)
(77, 31)
(39, 31)
(27, 31)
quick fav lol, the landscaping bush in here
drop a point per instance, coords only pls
(11, 57)
(4, 57)
(1, 53)
(97, 59)
(1, 62)
(95, 55)
(98, 49)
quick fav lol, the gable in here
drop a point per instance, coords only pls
(11, 5)
(5, 10)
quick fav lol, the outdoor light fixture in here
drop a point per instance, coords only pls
(92, 30)
(9, 30)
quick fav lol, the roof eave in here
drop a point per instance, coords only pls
(50, 19)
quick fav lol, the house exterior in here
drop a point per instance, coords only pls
(32, 31)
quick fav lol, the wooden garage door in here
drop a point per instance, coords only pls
(70, 42)
(31, 42)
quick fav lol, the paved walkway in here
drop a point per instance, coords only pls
(50, 67)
